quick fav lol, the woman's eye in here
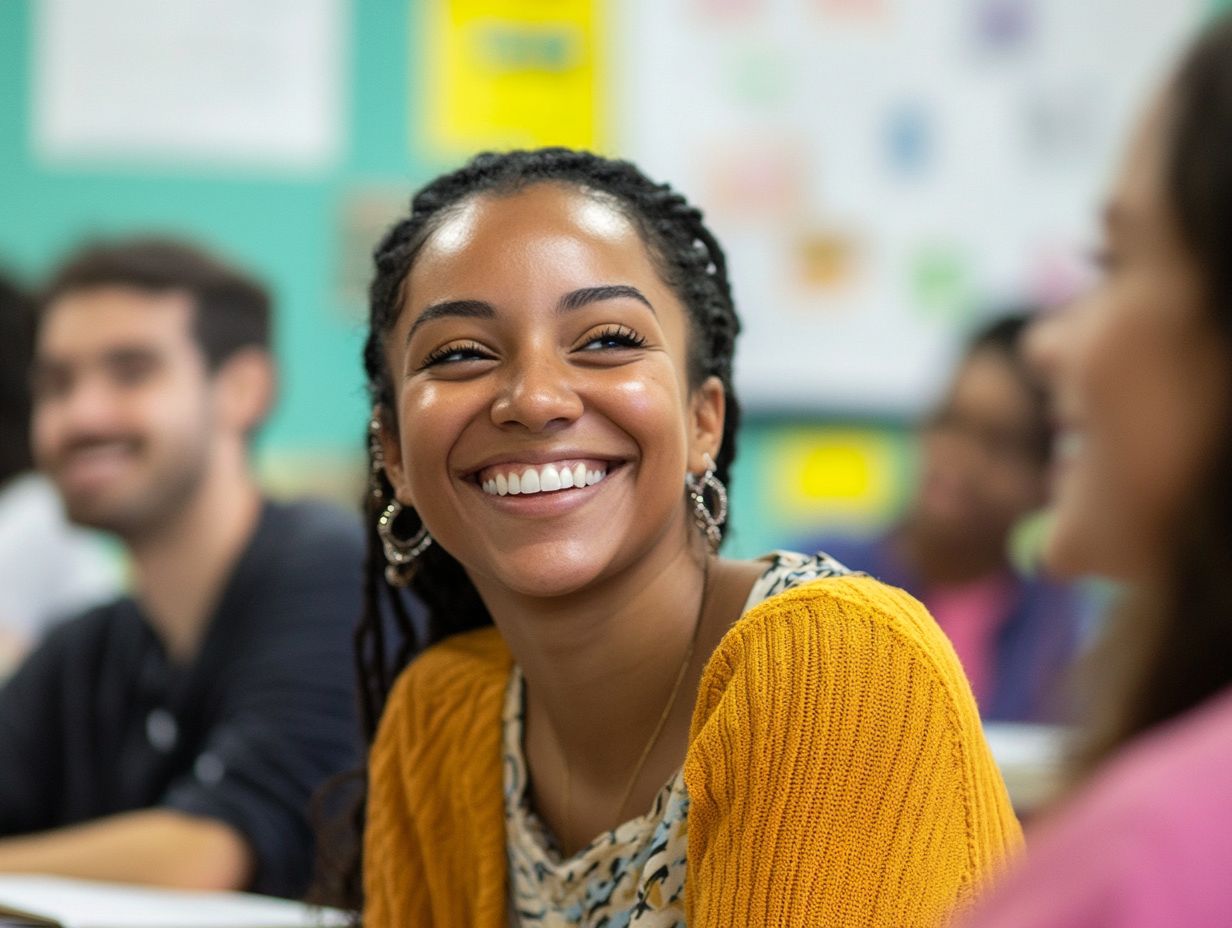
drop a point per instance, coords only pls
(614, 337)
(453, 354)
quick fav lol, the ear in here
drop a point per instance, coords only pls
(390, 444)
(707, 412)
(245, 387)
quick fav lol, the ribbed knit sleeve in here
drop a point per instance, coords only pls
(434, 852)
(837, 770)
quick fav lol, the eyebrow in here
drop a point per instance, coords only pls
(576, 299)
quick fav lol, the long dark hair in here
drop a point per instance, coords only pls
(1169, 648)
(690, 261)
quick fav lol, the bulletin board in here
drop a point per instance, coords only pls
(884, 172)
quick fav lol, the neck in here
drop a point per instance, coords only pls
(181, 565)
(601, 668)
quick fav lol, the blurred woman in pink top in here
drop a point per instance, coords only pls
(1140, 372)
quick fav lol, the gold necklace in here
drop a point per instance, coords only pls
(658, 729)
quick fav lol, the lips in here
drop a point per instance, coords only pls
(97, 462)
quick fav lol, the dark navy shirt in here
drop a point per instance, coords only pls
(98, 720)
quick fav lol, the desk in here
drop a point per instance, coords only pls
(1031, 759)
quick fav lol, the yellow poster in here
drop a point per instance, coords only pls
(512, 73)
(836, 475)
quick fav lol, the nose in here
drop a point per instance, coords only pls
(537, 394)
(87, 407)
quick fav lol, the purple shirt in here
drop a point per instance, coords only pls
(1147, 844)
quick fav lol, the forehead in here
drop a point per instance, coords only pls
(989, 381)
(545, 230)
(89, 322)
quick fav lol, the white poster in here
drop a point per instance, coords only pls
(881, 172)
(228, 82)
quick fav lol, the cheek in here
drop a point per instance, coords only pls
(44, 431)
(1152, 404)
(428, 423)
(652, 409)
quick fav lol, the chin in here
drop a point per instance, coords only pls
(548, 570)
(1070, 553)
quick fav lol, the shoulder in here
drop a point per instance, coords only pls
(1146, 842)
(851, 621)
(92, 627)
(1138, 793)
(307, 552)
(453, 685)
(72, 649)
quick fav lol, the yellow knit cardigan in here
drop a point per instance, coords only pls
(836, 771)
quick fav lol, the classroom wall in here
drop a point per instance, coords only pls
(308, 232)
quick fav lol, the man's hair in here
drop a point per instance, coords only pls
(16, 350)
(231, 309)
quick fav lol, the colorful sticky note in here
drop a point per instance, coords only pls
(909, 139)
(1004, 25)
(504, 73)
(755, 179)
(826, 259)
(860, 8)
(941, 285)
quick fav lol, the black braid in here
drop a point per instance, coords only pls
(687, 256)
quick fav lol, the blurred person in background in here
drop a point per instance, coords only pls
(175, 737)
(49, 569)
(983, 469)
(1140, 372)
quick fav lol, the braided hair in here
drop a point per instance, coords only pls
(690, 261)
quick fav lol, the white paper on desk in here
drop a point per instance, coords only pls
(190, 81)
(84, 904)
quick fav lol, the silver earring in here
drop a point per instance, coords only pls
(400, 553)
(709, 514)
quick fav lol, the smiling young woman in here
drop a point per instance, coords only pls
(613, 725)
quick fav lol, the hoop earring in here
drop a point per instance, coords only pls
(400, 553)
(709, 515)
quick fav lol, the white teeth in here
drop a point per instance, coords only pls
(547, 479)
(530, 480)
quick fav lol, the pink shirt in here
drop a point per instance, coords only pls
(1148, 844)
(971, 615)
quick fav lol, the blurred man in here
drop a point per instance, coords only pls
(49, 569)
(175, 737)
(984, 462)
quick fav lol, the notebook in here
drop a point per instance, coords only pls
(58, 902)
